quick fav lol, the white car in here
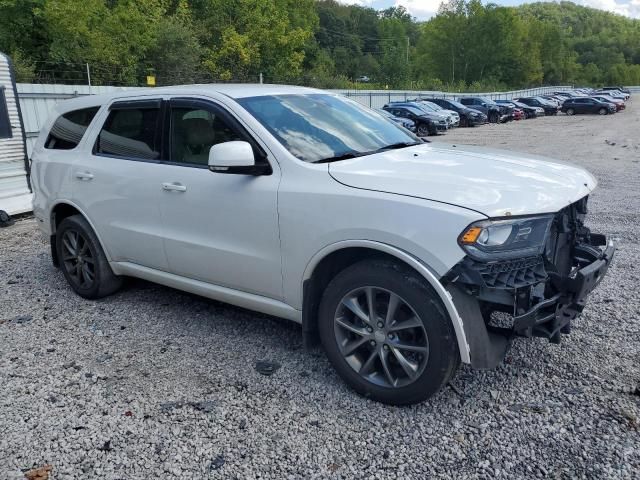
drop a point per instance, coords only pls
(303, 204)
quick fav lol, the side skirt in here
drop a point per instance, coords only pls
(246, 300)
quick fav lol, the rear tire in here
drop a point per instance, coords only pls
(371, 357)
(83, 261)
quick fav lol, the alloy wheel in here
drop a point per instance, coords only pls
(77, 258)
(381, 337)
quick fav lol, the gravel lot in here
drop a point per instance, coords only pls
(155, 383)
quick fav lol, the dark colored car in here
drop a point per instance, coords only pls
(438, 119)
(587, 105)
(469, 117)
(620, 105)
(548, 107)
(403, 122)
(424, 125)
(529, 112)
(490, 108)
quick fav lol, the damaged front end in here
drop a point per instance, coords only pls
(537, 270)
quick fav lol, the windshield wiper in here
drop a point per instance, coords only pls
(396, 146)
(342, 156)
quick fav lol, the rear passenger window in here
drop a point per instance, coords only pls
(5, 125)
(68, 129)
(131, 132)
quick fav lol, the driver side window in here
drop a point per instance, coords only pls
(194, 131)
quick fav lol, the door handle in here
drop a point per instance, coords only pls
(174, 187)
(84, 175)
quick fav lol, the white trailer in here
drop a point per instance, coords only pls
(15, 190)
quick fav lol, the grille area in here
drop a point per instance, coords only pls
(508, 274)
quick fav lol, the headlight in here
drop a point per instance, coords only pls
(503, 239)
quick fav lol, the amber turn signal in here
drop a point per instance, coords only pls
(471, 235)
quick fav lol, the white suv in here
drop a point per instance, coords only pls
(394, 253)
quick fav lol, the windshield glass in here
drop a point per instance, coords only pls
(319, 126)
(456, 104)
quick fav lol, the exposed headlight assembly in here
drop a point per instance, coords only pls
(504, 239)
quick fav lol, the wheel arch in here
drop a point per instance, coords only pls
(61, 210)
(336, 257)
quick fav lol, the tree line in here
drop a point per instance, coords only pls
(468, 45)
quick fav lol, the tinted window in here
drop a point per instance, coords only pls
(320, 126)
(5, 125)
(194, 131)
(68, 129)
(130, 133)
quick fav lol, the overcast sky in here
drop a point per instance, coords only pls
(423, 9)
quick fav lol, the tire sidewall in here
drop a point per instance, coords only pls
(570, 111)
(80, 225)
(423, 130)
(444, 356)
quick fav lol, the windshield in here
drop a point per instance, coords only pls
(456, 104)
(431, 105)
(322, 127)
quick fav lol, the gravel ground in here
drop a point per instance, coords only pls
(155, 383)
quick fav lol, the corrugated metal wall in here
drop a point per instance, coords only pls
(13, 179)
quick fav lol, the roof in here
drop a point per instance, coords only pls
(232, 90)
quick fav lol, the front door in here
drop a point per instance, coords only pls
(220, 228)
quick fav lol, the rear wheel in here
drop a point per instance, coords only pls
(83, 261)
(387, 334)
(423, 130)
(570, 111)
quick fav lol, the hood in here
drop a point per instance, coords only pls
(495, 183)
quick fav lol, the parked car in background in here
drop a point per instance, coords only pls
(453, 118)
(620, 89)
(363, 79)
(573, 106)
(490, 108)
(390, 252)
(620, 105)
(440, 121)
(424, 124)
(469, 117)
(548, 107)
(403, 122)
(529, 112)
(612, 93)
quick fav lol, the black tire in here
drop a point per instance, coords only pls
(94, 277)
(438, 365)
(603, 111)
(423, 130)
(494, 117)
(570, 111)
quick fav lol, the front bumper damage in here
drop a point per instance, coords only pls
(534, 296)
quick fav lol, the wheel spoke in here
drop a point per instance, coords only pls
(84, 248)
(88, 274)
(394, 301)
(386, 368)
(367, 366)
(68, 246)
(409, 368)
(88, 260)
(358, 331)
(413, 322)
(352, 304)
(371, 303)
(73, 238)
(409, 347)
(354, 345)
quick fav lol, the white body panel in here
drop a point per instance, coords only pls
(253, 241)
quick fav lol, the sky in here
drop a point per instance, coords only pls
(423, 9)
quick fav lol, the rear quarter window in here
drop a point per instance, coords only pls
(69, 128)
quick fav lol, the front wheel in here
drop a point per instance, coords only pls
(423, 130)
(570, 111)
(82, 260)
(602, 111)
(387, 333)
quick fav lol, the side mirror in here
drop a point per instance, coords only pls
(235, 157)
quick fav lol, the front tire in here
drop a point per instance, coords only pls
(423, 130)
(602, 111)
(387, 333)
(83, 261)
(570, 111)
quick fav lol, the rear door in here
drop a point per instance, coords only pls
(117, 181)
